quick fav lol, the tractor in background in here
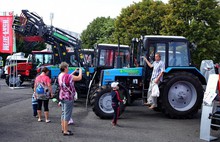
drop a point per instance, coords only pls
(181, 91)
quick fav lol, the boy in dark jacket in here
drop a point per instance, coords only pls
(116, 100)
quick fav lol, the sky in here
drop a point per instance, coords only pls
(72, 15)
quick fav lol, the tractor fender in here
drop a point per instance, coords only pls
(192, 70)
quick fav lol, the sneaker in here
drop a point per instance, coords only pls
(70, 121)
(39, 120)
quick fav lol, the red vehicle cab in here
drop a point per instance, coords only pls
(26, 71)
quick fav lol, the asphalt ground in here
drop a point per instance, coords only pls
(137, 123)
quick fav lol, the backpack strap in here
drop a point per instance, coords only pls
(63, 83)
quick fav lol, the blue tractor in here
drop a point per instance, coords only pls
(181, 91)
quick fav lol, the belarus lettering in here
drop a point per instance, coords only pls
(5, 31)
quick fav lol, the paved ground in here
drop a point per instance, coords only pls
(138, 124)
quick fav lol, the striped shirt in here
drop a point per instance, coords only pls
(158, 68)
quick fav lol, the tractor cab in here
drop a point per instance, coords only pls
(106, 55)
(173, 52)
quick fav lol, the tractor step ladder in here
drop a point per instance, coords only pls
(144, 93)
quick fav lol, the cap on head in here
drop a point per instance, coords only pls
(114, 84)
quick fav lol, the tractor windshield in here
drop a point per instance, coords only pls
(108, 57)
(178, 54)
(125, 56)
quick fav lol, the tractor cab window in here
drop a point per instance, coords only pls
(125, 56)
(88, 59)
(151, 53)
(157, 47)
(106, 57)
(161, 48)
(178, 54)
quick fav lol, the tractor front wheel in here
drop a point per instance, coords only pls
(102, 103)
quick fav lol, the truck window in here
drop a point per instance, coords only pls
(48, 59)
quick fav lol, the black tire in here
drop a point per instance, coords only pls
(12, 81)
(102, 96)
(182, 95)
(56, 90)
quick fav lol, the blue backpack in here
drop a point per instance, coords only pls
(42, 91)
(40, 88)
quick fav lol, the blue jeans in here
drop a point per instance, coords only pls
(67, 108)
(34, 106)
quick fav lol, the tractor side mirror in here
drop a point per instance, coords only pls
(192, 46)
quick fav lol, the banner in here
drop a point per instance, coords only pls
(6, 34)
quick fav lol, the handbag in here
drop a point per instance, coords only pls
(75, 96)
(155, 91)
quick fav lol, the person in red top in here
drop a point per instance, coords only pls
(116, 100)
(47, 82)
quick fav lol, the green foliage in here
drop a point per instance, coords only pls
(98, 31)
(198, 21)
(139, 19)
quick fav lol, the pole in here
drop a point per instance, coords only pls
(51, 18)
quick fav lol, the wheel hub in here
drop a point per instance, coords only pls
(105, 103)
(182, 95)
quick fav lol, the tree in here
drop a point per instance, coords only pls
(98, 31)
(139, 19)
(197, 20)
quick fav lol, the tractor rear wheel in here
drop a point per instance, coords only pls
(182, 95)
(102, 104)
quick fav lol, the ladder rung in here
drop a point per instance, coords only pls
(215, 125)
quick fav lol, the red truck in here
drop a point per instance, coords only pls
(26, 71)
